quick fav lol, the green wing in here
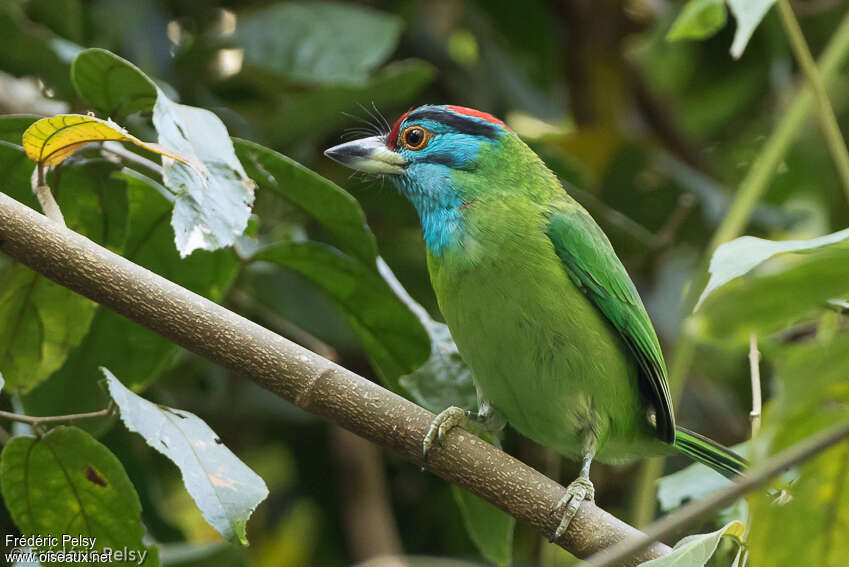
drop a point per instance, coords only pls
(592, 264)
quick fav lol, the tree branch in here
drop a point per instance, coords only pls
(302, 377)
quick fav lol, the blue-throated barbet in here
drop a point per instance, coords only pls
(540, 306)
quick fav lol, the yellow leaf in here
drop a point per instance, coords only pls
(52, 140)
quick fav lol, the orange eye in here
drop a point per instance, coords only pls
(415, 137)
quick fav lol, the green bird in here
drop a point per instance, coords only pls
(536, 299)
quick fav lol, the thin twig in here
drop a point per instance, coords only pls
(755, 373)
(828, 121)
(692, 512)
(38, 420)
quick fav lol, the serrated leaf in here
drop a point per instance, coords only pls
(742, 255)
(50, 141)
(749, 14)
(318, 42)
(392, 336)
(695, 550)
(333, 208)
(211, 209)
(111, 84)
(699, 19)
(68, 483)
(225, 490)
(490, 529)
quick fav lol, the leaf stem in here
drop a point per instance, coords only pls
(38, 420)
(828, 121)
(810, 447)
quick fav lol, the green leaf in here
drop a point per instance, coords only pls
(225, 490)
(812, 393)
(749, 14)
(739, 257)
(769, 303)
(68, 483)
(393, 338)
(695, 550)
(490, 529)
(40, 321)
(318, 42)
(213, 206)
(17, 168)
(12, 127)
(699, 19)
(333, 208)
(111, 84)
(138, 355)
(444, 379)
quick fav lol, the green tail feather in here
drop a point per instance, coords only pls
(701, 449)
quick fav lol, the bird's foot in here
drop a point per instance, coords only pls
(581, 489)
(447, 420)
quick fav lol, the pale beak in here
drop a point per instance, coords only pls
(369, 155)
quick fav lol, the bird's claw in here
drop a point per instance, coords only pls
(447, 420)
(581, 489)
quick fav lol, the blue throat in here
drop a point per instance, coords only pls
(440, 210)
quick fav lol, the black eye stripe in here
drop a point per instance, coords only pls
(459, 123)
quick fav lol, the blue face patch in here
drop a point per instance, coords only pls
(430, 182)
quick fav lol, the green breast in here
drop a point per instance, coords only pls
(541, 352)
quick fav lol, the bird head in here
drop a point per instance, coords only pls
(443, 159)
